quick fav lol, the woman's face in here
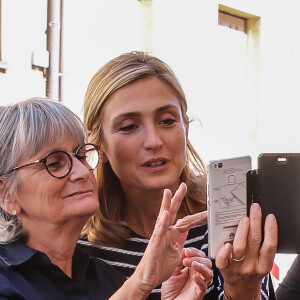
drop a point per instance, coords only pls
(42, 198)
(144, 136)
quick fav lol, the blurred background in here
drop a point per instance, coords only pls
(238, 62)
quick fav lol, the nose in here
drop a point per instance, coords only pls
(79, 170)
(152, 138)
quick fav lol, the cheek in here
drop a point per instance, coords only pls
(121, 151)
(180, 144)
(93, 181)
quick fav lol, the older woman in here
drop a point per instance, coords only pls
(136, 111)
(47, 193)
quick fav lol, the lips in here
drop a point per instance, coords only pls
(155, 162)
(79, 193)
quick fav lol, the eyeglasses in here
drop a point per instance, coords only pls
(59, 163)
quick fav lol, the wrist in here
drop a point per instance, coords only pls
(240, 292)
(137, 288)
(255, 298)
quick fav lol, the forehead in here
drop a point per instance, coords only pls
(143, 95)
(67, 144)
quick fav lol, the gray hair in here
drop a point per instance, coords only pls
(25, 127)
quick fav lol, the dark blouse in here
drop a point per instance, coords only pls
(29, 274)
(289, 289)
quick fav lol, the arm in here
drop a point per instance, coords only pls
(247, 262)
(164, 250)
(290, 286)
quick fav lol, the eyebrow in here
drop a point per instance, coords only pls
(59, 149)
(136, 114)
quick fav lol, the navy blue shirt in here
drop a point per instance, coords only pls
(26, 273)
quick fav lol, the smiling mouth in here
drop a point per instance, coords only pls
(156, 163)
(79, 193)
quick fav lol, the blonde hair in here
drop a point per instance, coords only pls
(105, 226)
(25, 128)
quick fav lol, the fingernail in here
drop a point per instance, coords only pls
(166, 190)
(255, 206)
(227, 246)
(245, 219)
(271, 218)
(182, 185)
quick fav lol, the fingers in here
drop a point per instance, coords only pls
(205, 273)
(161, 226)
(176, 201)
(254, 236)
(201, 286)
(187, 262)
(191, 251)
(190, 221)
(240, 239)
(166, 202)
(268, 248)
(222, 258)
(172, 204)
(194, 254)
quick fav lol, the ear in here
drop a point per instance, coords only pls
(9, 203)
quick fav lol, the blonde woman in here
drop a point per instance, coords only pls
(136, 110)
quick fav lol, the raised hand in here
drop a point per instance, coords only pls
(164, 251)
(248, 261)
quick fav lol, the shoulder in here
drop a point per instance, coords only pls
(98, 269)
(11, 284)
(290, 286)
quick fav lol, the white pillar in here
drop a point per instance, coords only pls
(147, 26)
(53, 46)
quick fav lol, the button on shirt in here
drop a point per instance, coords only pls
(26, 273)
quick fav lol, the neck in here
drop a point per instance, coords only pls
(141, 211)
(57, 241)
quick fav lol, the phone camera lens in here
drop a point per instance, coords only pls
(220, 165)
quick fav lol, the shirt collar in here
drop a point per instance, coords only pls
(16, 253)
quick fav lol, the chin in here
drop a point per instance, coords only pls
(161, 184)
(84, 208)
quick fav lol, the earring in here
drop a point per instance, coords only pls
(14, 212)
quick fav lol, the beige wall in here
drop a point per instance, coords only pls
(23, 30)
(185, 34)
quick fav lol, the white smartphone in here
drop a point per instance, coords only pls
(226, 199)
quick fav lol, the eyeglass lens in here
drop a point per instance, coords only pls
(59, 163)
(88, 155)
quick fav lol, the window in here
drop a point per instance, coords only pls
(232, 21)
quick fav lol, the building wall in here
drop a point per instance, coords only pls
(187, 36)
(23, 31)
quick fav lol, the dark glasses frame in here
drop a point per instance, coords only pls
(44, 160)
